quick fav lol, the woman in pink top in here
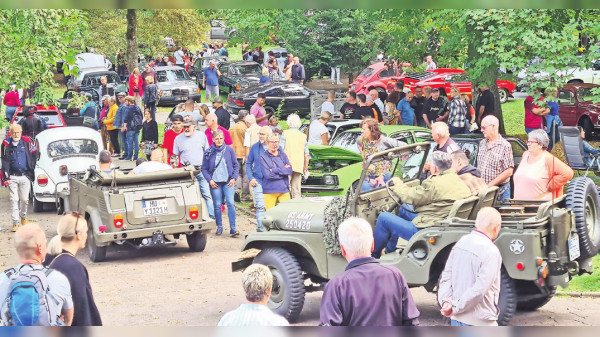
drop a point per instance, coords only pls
(136, 88)
(540, 175)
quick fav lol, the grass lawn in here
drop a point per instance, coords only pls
(586, 282)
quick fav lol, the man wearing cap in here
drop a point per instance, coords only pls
(237, 132)
(118, 121)
(434, 107)
(190, 146)
(222, 114)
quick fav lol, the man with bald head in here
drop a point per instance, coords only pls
(469, 287)
(18, 162)
(155, 164)
(210, 81)
(30, 242)
(254, 171)
(495, 158)
(212, 124)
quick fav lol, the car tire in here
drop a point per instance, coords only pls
(533, 303)
(507, 302)
(503, 93)
(97, 254)
(582, 199)
(587, 126)
(196, 241)
(270, 110)
(287, 296)
(38, 206)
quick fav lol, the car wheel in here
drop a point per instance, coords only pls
(38, 206)
(196, 241)
(270, 110)
(97, 254)
(503, 93)
(507, 302)
(587, 126)
(287, 296)
(582, 198)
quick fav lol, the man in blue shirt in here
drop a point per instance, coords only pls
(254, 172)
(118, 123)
(405, 111)
(210, 81)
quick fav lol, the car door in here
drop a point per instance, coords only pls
(567, 108)
(224, 79)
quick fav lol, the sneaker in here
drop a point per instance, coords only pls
(234, 233)
(24, 222)
(219, 231)
(15, 227)
(236, 197)
(122, 158)
(115, 155)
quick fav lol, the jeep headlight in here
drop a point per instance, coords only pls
(267, 221)
(330, 180)
(165, 93)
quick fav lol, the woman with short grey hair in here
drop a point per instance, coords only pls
(540, 175)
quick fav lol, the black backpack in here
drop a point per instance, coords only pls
(136, 118)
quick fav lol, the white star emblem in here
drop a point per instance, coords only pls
(516, 246)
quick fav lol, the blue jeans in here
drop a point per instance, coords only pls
(259, 204)
(123, 137)
(457, 323)
(366, 186)
(456, 130)
(422, 124)
(206, 194)
(217, 196)
(506, 194)
(390, 227)
(133, 144)
(10, 111)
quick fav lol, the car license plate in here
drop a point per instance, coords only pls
(155, 207)
(182, 98)
(574, 252)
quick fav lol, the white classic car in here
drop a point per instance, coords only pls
(62, 152)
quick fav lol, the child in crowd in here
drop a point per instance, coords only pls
(589, 151)
(274, 124)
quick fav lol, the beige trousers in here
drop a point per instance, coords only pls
(295, 183)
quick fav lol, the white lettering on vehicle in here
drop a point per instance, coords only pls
(299, 220)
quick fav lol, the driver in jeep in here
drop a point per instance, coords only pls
(429, 202)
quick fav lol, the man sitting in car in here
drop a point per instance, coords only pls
(423, 205)
(155, 164)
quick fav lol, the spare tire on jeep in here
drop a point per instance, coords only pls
(582, 199)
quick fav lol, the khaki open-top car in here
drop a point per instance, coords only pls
(543, 244)
(141, 210)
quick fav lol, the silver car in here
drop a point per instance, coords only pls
(175, 86)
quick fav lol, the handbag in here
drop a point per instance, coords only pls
(473, 127)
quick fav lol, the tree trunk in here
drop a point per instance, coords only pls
(132, 47)
(488, 75)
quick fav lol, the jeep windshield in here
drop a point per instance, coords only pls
(172, 75)
(405, 163)
(70, 147)
(245, 69)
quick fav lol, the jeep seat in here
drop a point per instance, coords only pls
(463, 208)
(486, 199)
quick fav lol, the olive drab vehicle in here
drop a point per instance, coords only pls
(139, 210)
(543, 244)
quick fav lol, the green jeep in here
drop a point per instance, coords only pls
(543, 244)
(334, 169)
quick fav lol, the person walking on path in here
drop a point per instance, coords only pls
(210, 81)
(469, 286)
(136, 89)
(237, 132)
(254, 171)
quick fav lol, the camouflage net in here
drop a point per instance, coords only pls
(336, 211)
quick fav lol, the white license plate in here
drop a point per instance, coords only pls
(574, 252)
(155, 207)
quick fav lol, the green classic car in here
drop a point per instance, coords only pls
(335, 168)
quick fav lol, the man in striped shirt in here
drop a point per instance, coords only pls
(257, 281)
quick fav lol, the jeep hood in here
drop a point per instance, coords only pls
(298, 215)
(331, 152)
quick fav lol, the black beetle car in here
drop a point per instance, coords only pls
(296, 98)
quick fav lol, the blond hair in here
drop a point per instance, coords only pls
(257, 281)
(66, 232)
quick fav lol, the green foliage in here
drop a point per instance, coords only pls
(78, 100)
(32, 40)
(279, 107)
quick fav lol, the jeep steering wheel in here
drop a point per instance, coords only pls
(388, 187)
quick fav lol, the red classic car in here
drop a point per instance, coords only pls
(575, 107)
(381, 76)
(447, 78)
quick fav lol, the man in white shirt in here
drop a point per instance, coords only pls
(155, 164)
(179, 58)
(317, 131)
(328, 105)
(430, 64)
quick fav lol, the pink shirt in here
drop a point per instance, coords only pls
(259, 111)
(226, 135)
(531, 179)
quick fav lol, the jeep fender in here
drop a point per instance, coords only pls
(312, 257)
(94, 221)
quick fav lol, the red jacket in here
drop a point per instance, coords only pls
(12, 99)
(139, 85)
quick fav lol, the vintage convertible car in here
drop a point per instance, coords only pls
(62, 153)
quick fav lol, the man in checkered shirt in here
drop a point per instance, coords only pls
(495, 158)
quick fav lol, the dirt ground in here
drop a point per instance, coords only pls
(173, 286)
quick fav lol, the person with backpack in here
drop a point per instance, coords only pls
(132, 124)
(31, 124)
(72, 233)
(90, 113)
(31, 294)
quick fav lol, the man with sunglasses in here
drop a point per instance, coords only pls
(495, 158)
(190, 146)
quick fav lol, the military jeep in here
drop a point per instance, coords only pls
(543, 244)
(139, 210)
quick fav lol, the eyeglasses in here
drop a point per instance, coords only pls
(77, 216)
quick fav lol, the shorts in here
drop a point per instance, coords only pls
(214, 89)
